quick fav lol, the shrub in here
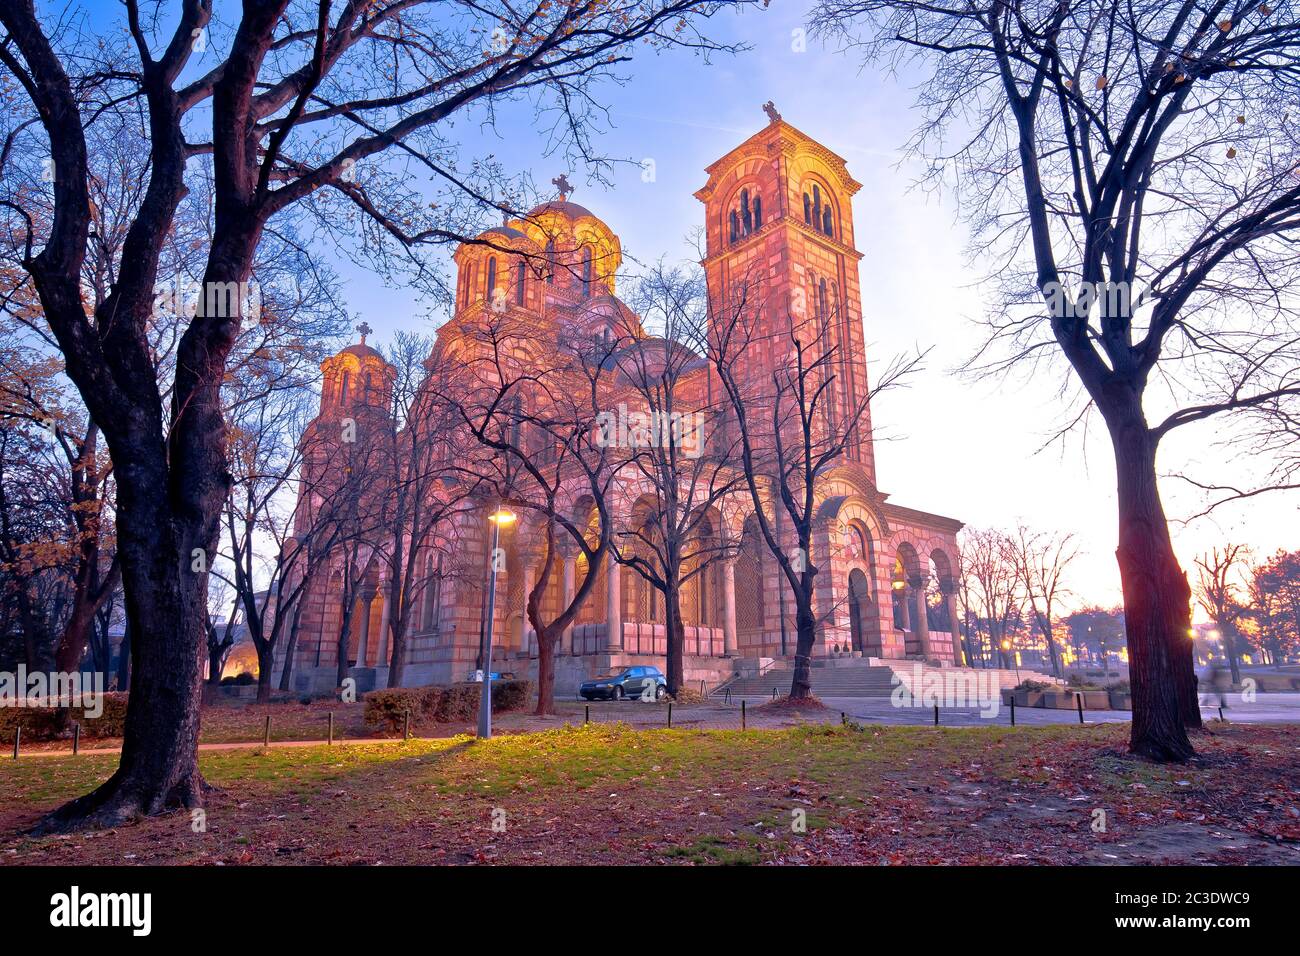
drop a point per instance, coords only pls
(458, 703)
(511, 694)
(242, 679)
(1033, 685)
(388, 708)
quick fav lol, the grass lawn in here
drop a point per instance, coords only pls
(610, 793)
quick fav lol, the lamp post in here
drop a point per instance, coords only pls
(502, 516)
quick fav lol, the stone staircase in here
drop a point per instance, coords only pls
(865, 681)
(860, 678)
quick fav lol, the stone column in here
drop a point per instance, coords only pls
(570, 589)
(916, 586)
(613, 605)
(384, 621)
(949, 590)
(730, 646)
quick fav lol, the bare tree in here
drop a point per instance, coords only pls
(532, 404)
(287, 117)
(991, 586)
(1217, 591)
(1042, 561)
(1152, 209)
(429, 488)
(677, 445)
(791, 430)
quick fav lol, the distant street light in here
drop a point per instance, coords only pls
(502, 516)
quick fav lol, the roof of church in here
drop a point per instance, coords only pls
(571, 209)
(361, 350)
(507, 231)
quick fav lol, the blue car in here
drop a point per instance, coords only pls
(647, 683)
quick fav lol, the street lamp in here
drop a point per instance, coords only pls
(502, 516)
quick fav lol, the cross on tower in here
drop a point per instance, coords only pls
(365, 329)
(561, 182)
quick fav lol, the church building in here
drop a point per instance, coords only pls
(778, 205)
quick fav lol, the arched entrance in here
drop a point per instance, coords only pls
(859, 610)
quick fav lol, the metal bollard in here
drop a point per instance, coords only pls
(76, 738)
(406, 726)
(266, 734)
(330, 740)
(936, 715)
(18, 739)
(844, 719)
(670, 715)
(1220, 713)
(1078, 699)
(742, 715)
(1013, 711)
(586, 716)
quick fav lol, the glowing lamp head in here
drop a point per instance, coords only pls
(502, 517)
(1006, 645)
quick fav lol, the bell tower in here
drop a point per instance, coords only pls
(779, 237)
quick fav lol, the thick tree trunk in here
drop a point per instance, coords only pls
(547, 639)
(1156, 604)
(805, 635)
(345, 634)
(676, 635)
(265, 665)
(165, 604)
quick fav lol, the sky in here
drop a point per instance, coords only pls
(973, 450)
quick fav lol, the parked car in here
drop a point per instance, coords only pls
(630, 682)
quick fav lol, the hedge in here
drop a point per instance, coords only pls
(388, 708)
(51, 723)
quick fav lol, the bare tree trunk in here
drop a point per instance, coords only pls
(265, 664)
(345, 634)
(676, 632)
(165, 604)
(1156, 605)
(805, 635)
(291, 648)
(547, 639)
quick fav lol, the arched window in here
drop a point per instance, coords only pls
(343, 394)
(735, 226)
(807, 209)
(492, 276)
(758, 212)
(817, 204)
(746, 216)
(827, 223)
(822, 309)
(550, 262)
(519, 284)
(586, 271)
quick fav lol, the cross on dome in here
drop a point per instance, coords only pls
(561, 182)
(365, 329)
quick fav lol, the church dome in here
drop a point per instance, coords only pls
(563, 207)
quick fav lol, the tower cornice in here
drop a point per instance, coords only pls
(778, 139)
